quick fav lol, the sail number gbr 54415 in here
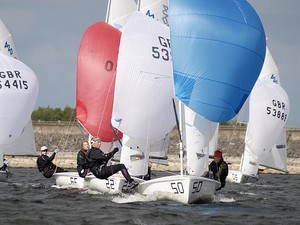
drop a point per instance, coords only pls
(12, 80)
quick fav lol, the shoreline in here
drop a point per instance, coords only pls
(67, 160)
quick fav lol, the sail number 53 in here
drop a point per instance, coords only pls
(163, 50)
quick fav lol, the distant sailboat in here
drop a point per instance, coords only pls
(25, 143)
(18, 94)
(269, 148)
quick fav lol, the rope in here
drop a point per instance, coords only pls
(62, 143)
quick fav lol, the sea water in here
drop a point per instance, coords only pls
(32, 199)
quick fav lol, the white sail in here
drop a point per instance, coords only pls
(25, 143)
(156, 9)
(144, 67)
(144, 89)
(7, 46)
(200, 140)
(277, 157)
(18, 94)
(267, 117)
(118, 12)
(270, 70)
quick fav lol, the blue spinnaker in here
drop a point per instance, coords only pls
(218, 49)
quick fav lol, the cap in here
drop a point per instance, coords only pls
(218, 153)
(43, 148)
(94, 139)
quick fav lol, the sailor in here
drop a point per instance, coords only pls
(45, 164)
(218, 168)
(82, 164)
(4, 167)
(97, 161)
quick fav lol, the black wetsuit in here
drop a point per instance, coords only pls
(97, 164)
(220, 171)
(82, 164)
(46, 166)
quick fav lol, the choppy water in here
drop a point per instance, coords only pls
(31, 199)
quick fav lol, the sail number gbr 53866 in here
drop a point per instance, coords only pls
(12, 80)
(277, 110)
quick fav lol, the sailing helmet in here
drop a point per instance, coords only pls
(94, 139)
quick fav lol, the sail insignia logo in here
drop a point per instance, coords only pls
(9, 49)
(165, 13)
(148, 13)
(273, 77)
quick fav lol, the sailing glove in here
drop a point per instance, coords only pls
(115, 150)
(57, 150)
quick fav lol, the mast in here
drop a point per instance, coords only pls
(107, 11)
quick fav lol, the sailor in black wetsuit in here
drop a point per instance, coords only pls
(82, 164)
(219, 168)
(98, 160)
(45, 164)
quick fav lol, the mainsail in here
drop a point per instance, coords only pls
(7, 46)
(272, 131)
(144, 90)
(25, 143)
(156, 9)
(118, 11)
(269, 110)
(18, 94)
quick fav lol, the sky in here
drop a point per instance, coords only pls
(47, 36)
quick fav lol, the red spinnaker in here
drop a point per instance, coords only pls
(96, 71)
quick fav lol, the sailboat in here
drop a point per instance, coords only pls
(158, 149)
(144, 90)
(273, 152)
(96, 68)
(208, 68)
(24, 144)
(18, 94)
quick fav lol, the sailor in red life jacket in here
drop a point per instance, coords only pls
(219, 168)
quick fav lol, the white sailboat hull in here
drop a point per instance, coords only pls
(186, 189)
(115, 184)
(239, 177)
(69, 180)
